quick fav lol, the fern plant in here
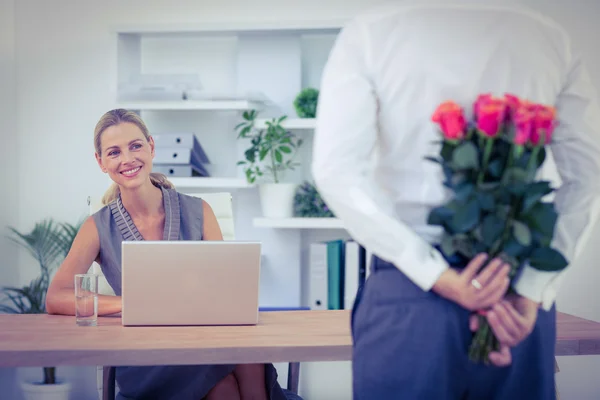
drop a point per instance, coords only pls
(49, 243)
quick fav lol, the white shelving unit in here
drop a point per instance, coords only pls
(194, 105)
(245, 66)
(291, 123)
(210, 183)
(298, 223)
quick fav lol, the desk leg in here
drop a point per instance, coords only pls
(108, 383)
(293, 377)
(556, 370)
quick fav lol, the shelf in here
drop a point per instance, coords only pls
(209, 183)
(299, 223)
(191, 105)
(291, 123)
(314, 26)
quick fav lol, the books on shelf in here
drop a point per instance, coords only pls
(336, 270)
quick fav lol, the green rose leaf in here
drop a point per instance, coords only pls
(447, 151)
(495, 168)
(464, 245)
(464, 191)
(513, 248)
(466, 156)
(515, 175)
(486, 201)
(547, 259)
(517, 188)
(542, 217)
(489, 186)
(436, 160)
(534, 193)
(466, 217)
(541, 157)
(439, 216)
(522, 233)
(491, 229)
(447, 246)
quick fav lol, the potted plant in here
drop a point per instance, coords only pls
(270, 155)
(308, 203)
(48, 243)
(306, 103)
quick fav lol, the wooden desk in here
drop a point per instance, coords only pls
(39, 340)
(576, 336)
(282, 336)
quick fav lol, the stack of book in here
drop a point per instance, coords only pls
(179, 155)
(337, 269)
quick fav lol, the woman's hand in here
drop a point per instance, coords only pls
(473, 290)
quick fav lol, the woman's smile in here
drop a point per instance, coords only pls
(132, 172)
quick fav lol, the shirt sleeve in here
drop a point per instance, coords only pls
(576, 151)
(344, 144)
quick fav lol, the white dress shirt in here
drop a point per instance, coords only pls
(388, 71)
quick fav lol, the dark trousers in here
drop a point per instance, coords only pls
(411, 344)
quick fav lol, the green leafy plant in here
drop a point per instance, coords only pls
(272, 150)
(306, 103)
(309, 203)
(48, 243)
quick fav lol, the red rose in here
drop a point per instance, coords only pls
(481, 100)
(490, 117)
(512, 105)
(450, 117)
(524, 125)
(543, 125)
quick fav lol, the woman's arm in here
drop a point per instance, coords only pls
(211, 229)
(60, 298)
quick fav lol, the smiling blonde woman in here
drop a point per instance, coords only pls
(142, 205)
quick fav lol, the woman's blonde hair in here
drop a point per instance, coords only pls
(116, 117)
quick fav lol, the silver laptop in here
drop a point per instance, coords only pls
(190, 282)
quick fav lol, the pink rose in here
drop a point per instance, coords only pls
(450, 117)
(524, 126)
(490, 117)
(543, 125)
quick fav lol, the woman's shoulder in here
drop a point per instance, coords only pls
(190, 204)
(104, 210)
(189, 200)
(103, 216)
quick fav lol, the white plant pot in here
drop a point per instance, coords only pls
(39, 391)
(277, 199)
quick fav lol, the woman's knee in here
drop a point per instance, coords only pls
(226, 388)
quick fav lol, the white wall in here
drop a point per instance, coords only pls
(9, 273)
(63, 58)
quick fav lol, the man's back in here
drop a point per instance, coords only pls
(417, 54)
(387, 72)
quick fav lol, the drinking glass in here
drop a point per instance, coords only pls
(86, 299)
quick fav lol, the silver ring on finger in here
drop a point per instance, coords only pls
(476, 284)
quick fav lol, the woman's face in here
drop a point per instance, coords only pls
(126, 155)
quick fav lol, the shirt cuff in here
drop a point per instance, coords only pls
(536, 285)
(423, 266)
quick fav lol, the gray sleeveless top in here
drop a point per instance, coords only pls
(184, 220)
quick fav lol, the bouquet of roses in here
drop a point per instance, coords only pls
(497, 206)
